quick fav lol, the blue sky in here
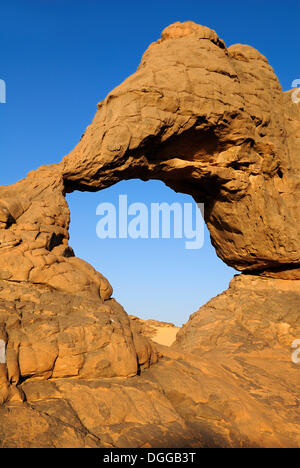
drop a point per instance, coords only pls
(59, 58)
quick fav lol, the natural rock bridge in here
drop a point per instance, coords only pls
(211, 122)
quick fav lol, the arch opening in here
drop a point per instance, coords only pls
(152, 278)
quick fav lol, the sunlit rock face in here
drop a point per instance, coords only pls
(208, 121)
(211, 122)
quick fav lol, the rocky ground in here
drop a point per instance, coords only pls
(228, 380)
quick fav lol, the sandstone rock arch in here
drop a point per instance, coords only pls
(207, 120)
(212, 123)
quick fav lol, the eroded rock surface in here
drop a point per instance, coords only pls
(228, 381)
(51, 334)
(212, 122)
(209, 121)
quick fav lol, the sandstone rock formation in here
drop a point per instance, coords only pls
(209, 121)
(212, 122)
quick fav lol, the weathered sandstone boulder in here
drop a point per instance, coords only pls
(51, 334)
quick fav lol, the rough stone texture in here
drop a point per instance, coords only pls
(50, 335)
(248, 330)
(209, 121)
(34, 238)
